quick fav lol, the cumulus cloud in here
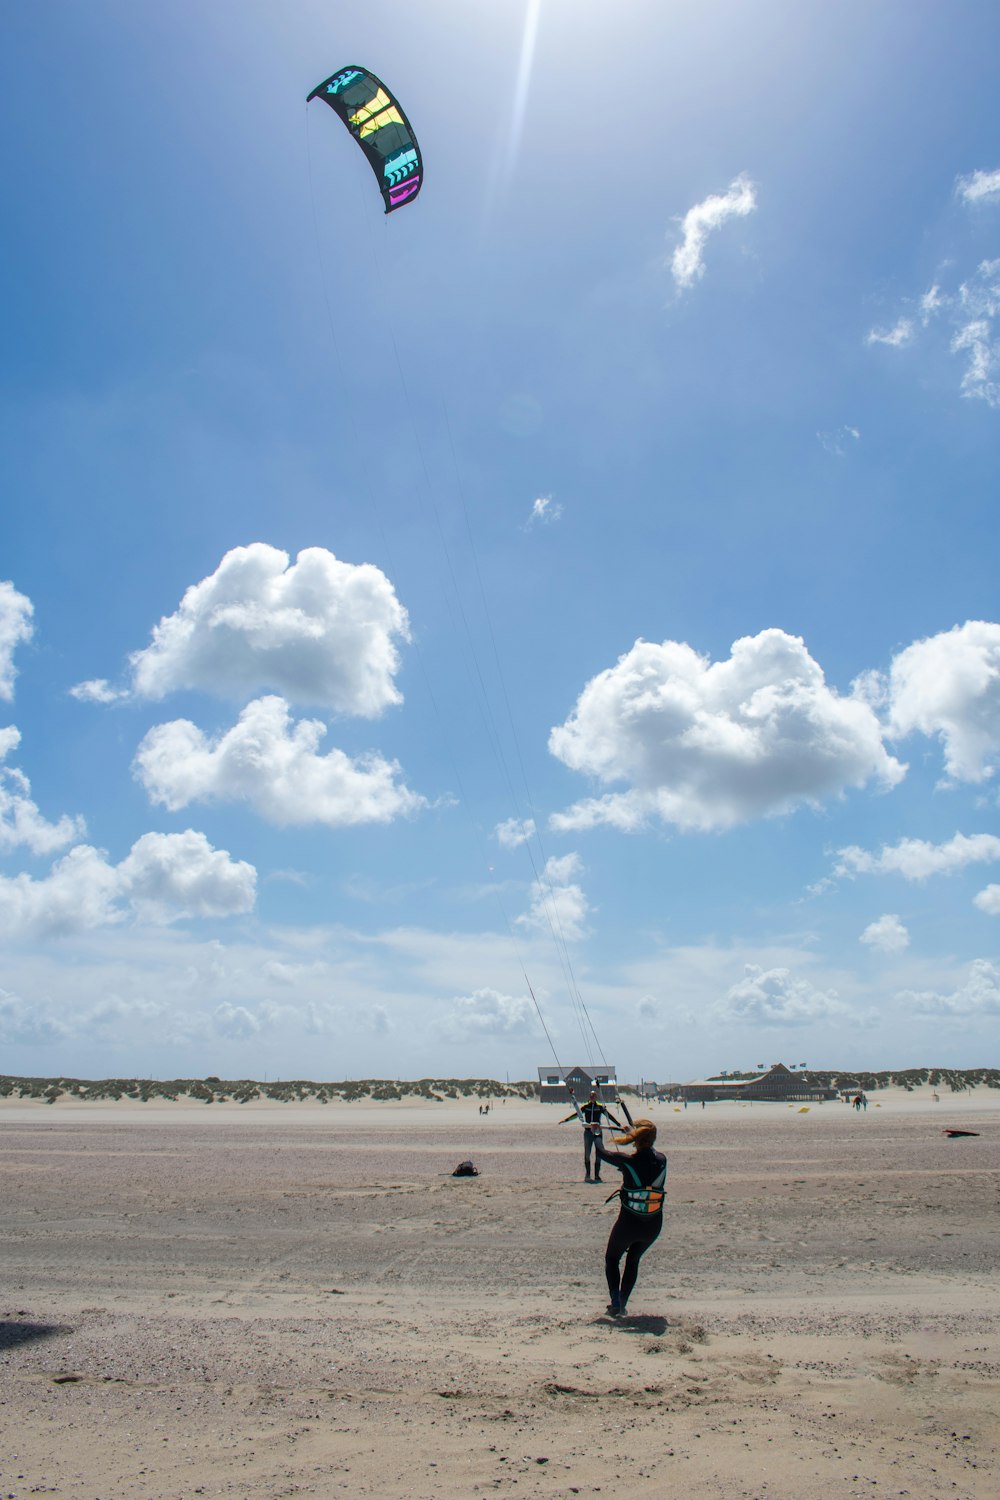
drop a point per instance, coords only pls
(740, 198)
(273, 764)
(888, 934)
(558, 903)
(917, 859)
(949, 686)
(21, 823)
(900, 333)
(317, 631)
(112, 1013)
(514, 832)
(707, 745)
(774, 997)
(979, 187)
(988, 900)
(544, 512)
(487, 1013)
(77, 894)
(979, 996)
(38, 1024)
(235, 1022)
(27, 1025)
(16, 611)
(167, 875)
(650, 1011)
(163, 878)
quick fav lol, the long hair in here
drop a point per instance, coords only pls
(641, 1136)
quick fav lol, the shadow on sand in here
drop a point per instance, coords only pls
(636, 1323)
(12, 1335)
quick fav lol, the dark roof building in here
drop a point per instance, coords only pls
(778, 1083)
(554, 1084)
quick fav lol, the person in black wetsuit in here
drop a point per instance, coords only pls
(591, 1113)
(644, 1180)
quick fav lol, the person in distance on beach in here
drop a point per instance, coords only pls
(591, 1113)
(643, 1189)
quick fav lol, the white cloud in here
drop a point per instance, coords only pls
(900, 333)
(235, 1022)
(839, 440)
(979, 996)
(164, 877)
(514, 832)
(271, 763)
(292, 974)
(931, 302)
(112, 1013)
(544, 512)
(650, 1011)
(78, 893)
(916, 859)
(169, 875)
(21, 823)
(988, 900)
(322, 1019)
(888, 934)
(967, 314)
(27, 1025)
(975, 337)
(97, 690)
(978, 309)
(739, 199)
(377, 1020)
(319, 631)
(558, 904)
(708, 745)
(979, 186)
(774, 997)
(487, 1013)
(949, 685)
(16, 612)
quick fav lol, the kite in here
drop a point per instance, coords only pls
(380, 128)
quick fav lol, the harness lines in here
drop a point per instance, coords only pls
(638, 1199)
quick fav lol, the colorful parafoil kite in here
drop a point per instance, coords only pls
(380, 128)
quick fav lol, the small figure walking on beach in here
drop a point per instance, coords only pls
(591, 1113)
(643, 1189)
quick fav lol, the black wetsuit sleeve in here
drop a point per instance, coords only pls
(616, 1158)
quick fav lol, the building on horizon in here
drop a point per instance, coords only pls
(776, 1084)
(555, 1083)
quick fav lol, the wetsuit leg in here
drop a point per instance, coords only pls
(630, 1236)
(588, 1152)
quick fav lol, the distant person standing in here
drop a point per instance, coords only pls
(591, 1113)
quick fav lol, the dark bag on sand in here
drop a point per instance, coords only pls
(465, 1169)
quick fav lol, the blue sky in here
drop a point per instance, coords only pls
(638, 481)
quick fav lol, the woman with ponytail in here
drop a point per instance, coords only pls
(644, 1176)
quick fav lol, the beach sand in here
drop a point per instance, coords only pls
(281, 1300)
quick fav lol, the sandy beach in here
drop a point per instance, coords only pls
(270, 1300)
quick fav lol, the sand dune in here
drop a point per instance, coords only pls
(258, 1300)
